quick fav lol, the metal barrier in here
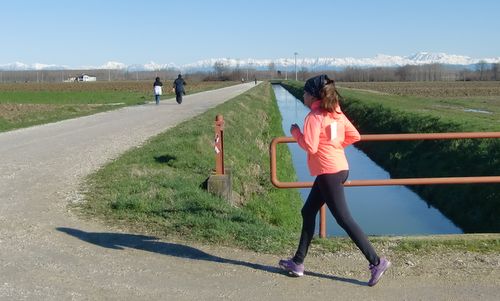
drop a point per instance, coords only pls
(407, 181)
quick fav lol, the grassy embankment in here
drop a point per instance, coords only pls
(156, 189)
(28, 104)
(475, 208)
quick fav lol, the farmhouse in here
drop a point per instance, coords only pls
(85, 78)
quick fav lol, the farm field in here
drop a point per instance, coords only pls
(28, 104)
(474, 103)
(430, 89)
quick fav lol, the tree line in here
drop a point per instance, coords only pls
(432, 72)
(481, 71)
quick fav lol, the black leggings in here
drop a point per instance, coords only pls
(329, 189)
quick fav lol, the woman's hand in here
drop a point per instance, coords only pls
(294, 127)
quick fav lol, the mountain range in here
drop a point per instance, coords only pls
(320, 63)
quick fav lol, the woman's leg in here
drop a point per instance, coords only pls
(309, 211)
(332, 189)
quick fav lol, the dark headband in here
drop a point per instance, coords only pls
(314, 85)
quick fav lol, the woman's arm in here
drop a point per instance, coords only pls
(308, 141)
(351, 133)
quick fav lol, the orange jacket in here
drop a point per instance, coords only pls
(324, 139)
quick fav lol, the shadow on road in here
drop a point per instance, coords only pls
(120, 241)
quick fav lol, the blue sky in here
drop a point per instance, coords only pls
(93, 32)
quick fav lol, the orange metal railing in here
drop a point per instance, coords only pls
(219, 145)
(407, 181)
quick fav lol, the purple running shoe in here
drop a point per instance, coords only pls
(292, 268)
(378, 270)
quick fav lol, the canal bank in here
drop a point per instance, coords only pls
(474, 208)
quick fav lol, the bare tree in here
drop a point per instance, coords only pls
(481, 68)
(303, 73)
(272, 69)
(403, 73)
(221, 70)
(495, 71)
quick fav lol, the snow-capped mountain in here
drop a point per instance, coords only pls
(152, 66)
(381, 60)
(18, 66)
(113, 65)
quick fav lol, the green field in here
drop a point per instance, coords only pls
(436, 89)
(475, 105)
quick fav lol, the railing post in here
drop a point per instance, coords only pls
(322, 221)
(220, 183)
(219, 145)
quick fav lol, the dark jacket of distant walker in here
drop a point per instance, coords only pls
(179, 85)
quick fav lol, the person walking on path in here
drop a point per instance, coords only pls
(178, 88)
(327, 131)
(157, 87)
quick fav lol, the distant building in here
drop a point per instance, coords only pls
(85, 78)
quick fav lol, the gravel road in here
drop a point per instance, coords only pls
(48, 253)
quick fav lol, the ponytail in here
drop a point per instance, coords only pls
(330, 97)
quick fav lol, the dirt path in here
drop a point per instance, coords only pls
(47, 253)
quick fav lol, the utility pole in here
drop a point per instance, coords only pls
(249, 66)
(247, 69)
(286, 69)
(295, 54)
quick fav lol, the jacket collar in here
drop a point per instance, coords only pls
(316, 104)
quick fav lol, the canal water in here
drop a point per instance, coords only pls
(379, 210)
